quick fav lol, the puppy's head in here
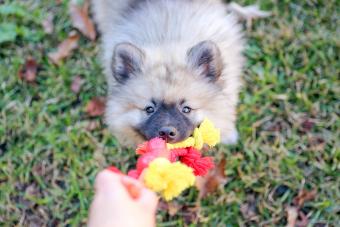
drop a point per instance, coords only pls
(164, 100)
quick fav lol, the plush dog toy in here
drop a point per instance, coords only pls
(169, 169)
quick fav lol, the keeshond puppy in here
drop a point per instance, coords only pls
(169, 64)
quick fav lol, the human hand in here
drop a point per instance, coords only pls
(121, 201)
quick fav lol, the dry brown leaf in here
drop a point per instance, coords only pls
(190, 214)
(48, 24)
(302, 220)
(307, 125)
(96, 107)
(81, 20)
(173, 208)
(77, 83)
(162, 205)
(303, 197)
(32, 190)
(28, 71)
(65, 48)
(212, 180)
(316, 143)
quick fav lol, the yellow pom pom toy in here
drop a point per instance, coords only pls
(206, 133)
(168, 179)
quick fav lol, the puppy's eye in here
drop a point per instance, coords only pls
(186, 109)
(149, 109)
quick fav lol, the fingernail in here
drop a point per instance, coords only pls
(132, 188)
(114, 170)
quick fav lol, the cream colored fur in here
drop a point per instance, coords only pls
(165, 30)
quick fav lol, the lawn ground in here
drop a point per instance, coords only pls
(50, 150)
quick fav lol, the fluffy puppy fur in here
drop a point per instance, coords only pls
(169, 63)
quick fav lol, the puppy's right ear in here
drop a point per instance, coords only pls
(205, 58)
(127, 61)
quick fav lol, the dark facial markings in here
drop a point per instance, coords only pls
(169, 122)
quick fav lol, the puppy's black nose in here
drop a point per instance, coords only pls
(168, 133)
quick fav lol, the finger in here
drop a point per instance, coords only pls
(133, 187)
(108, 183)
(138, 191)
(141, 176)
(149, 199)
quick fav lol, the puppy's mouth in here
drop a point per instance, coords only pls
(167, 140)
(173, 141)
(145, 137)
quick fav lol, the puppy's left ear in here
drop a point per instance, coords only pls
(205, 58)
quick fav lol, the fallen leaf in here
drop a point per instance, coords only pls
(212, 180)
(81, 20)
(275, 125)
(292, 215)
(307, 125)
(189, 214)
(77, 83)
(33, 220)
(32, 190)
(96, 107)
(48, 25)
(39, 169)
(92, 125)
(303, 197)
(162, 205)
(173, 208)
(65, 48)
(28, 71)
(247, 13)
(316, 143)
(248, 209)
(302, 220)
(296, 218)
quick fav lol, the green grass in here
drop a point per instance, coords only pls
(48, 159)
